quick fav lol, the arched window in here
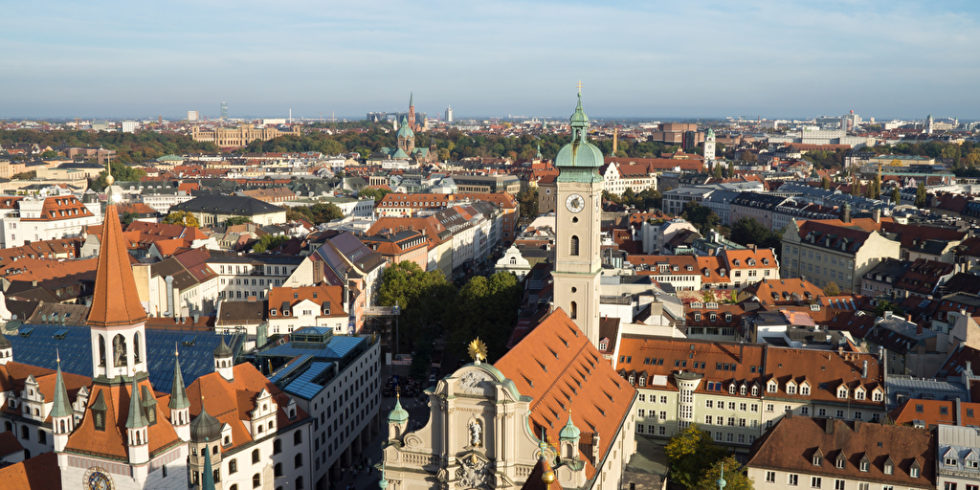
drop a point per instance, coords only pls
(136, 347)
(119, 350)
(574, 312)
(256, 481)
(255, 456)
(574, 247)
(101, 350)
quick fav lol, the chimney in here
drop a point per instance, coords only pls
(876, 214)
(864, 369)
(956, 412)
(846, 214)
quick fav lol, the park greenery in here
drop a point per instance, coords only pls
(432, 308)
(237, 220)
(373, 192)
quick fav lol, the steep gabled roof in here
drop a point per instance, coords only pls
(557, 366)
(115, 300)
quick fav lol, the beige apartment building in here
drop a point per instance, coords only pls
(240, 136)
(739, 391)
(831, 250)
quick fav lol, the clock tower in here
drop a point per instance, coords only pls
(577, 263)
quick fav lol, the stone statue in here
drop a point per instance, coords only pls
(119, 351)
(476, 433)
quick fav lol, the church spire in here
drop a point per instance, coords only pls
(178, 395)
(207, 474)
(61, 406)
(115, 300)
(135, 419)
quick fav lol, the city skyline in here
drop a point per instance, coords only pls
(888, 60)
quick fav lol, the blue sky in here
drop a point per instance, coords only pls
(642, 59)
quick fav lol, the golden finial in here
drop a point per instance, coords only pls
(477, 350)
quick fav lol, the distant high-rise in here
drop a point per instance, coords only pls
(929, 124)
(449, 114)
(224, 110)
(193, 116)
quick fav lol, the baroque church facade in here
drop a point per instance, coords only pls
(551, 408)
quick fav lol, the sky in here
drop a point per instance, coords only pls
(650, 59)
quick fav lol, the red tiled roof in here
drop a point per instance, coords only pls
(114, 300)
(562, 372)
(934, 412)
(41, 471)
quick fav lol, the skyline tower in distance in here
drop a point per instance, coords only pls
(224, 110)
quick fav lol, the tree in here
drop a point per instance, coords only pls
(882, 306)
(921, 198)
(735, 477)
(237, 220)
(831, 289)
(876, 187)
(182, 218)
(268, 242)
(316, 214)
(373, 192)
(528, 200)
(690, 454)
(896, 196)
(486, 308)
(700, 216)
(749, 231)
(424, 298)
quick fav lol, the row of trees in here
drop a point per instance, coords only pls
(130, 147)
(432, 308)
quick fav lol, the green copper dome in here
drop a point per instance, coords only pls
(569, 432)
(398, 415)
(579, 160)
(403, 130)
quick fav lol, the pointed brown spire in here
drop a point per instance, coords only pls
(115, 300)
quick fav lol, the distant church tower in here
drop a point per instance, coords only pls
(577, 263)
(929, 123)
(709, 146)
(411, 111)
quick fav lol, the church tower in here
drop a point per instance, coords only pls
(577, 263)
(411, 111)
(709, 146)
(116, 317)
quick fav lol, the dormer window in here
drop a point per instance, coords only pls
(914, 470)
(859, 394)
(841, 462)
(736, 262)
(742, 390)
(790, 389)
(731, 389)
(772, 387)
(285, 312)
(755, 390)
(842, 392)
(865, 464)
(877, 395)
(889, 467)
(273, 312)
(804, 389)
(817, 458)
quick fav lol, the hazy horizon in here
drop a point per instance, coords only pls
(786, 60)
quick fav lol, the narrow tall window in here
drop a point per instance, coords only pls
(574, 312)
(574, 249)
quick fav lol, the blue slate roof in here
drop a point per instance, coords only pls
(35, 344)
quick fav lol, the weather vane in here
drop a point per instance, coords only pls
(477, 350)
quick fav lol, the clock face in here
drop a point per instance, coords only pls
(95, 479)
(575, 203)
